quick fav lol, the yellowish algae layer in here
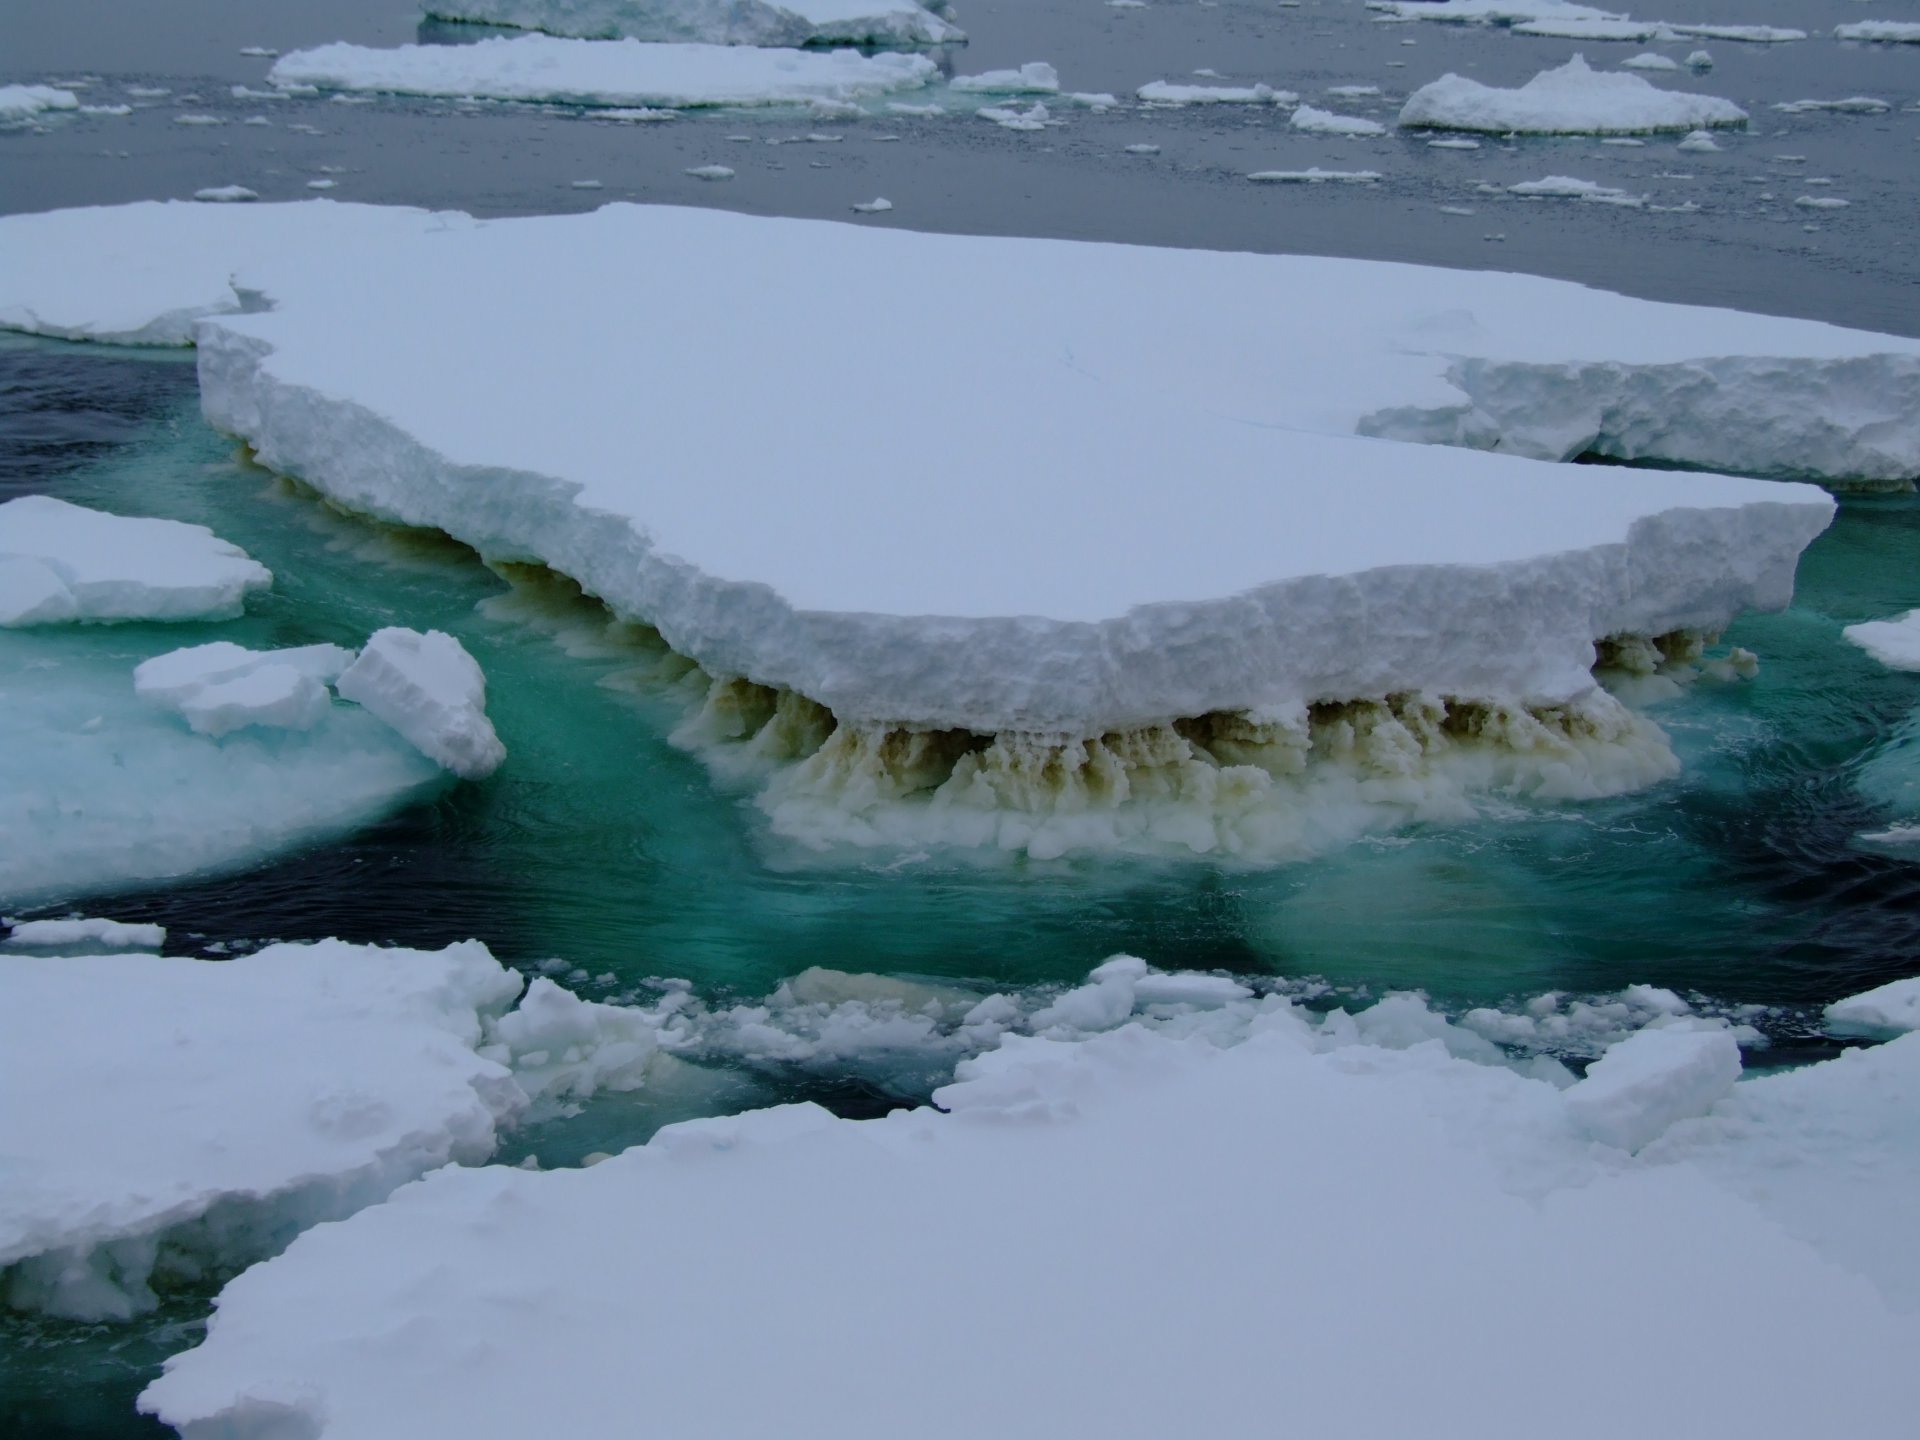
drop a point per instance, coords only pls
(1261, 785)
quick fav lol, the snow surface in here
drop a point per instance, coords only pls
(606, 72)
(431, 690)
(1887, 31)
(1879, 1014)
(1341, 1209)
(1571, 100)
(361, 380)
(108, 934)
(1636, 1091)
(23, 102)
(1894, 642)
(218, 1107)
(715, 22)
(63, 562)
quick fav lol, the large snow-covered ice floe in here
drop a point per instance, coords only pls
(21, 103)
(218, 1108)
(1574, 99)
(1413, 1187)
(787, 23)
(61, 562)
(1888, 1010)
(1886, 32)
(1049, 640)
(607, 72)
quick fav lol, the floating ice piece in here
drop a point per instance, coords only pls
(22, 102)
(1325, 122)
(1034, 117)
(1650, 60)
(607, 72)
(430, 689)
(1432, 1188)
(1879, 1014)
(1142, 149)
(1453, 142)
(1572, 100)
(562, 1048)
(203, 120)
(1566, 187)
(106, 109)
(103, 934)
(1353, 92)
(711, 172)
(1891, 32)
(277, 1089)
(788, 23)
(226, 194)
(63, 562)
(1160, 92)
(223, 687)
(1489, 12)
(632, 115)
(1744, 34)
(1852, 105)
(1821, 202)
(258, 52)
(322, 184)
(1314, 175)
(1697, 142)
(873, 207)
(1894, 642)
(1034, 78)
(1699, 60)
(1653, 1078)
(1576, 28)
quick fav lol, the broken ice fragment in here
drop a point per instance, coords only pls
(431, 690)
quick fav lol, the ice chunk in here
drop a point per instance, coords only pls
(1034, 117)
(607, 72)
(223, 687)
(64, 562)
(563, 1048)
(431, 690)
(1653, 1078)
(1160, 92)
(1649, 60)
(1034, 78)
(226, 194)
(1890, 32)
(1566, 187)
(1894, 642)
(1325, 122)
(280, 1089)
(711, 172)
(716, 22)
(104, 934)
(19, 103)
(873, 207)
(1879, 1014)
(1572, 100)
(1415, 1188)
(1314, 175)
(1697, 142)
(1491, 12)
(1852, 105)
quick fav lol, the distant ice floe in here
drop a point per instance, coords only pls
(1891, 32)
(225, 1106)
(772, 23)
(1314, 175)
(1698, 142)
(1649, 61)
(1894, 643)
(1559, 20)
(1566, 187)
(1161, 92)
(607, 72)
(1034, 78)
(1880, 1014)
(1012, 695)
(20, 103)
(61, 562)
(226, 194)
(1324, 122)
(1851, 105)
(1686, 1211)
(1571, 100)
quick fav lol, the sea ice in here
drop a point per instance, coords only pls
(1653, 1078)
(226, 194)
(607, 72)
(1034, 78)
(103, 934)
(1697, 142)
(20, 103)
(430, 689)
(223, 687)
(1649, 61)
(1894, 642)
(1413, 1187)
(1879, 1014)
(1566, 187)
(1325, 122)
(1314, 175)
(773, 23)
(1160, 92)
(63, 562)
(1852, 105)
(1572, 100)
(1489, 12)
(1011, 677)
(1886, 31)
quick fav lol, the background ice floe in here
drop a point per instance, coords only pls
(719, 22)
(1574, 99)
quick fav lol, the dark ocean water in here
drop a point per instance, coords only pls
(604, 846)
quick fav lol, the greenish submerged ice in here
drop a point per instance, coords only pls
(616, 858)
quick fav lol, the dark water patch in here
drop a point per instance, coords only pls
(61, 406)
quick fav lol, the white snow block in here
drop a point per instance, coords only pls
(65, 562)
(1643, 1084)
(716, 22)
(223, 687)
(106, 934)
(1879, 1014)
(1571, 100)
(283, 1088)
(1293, 1226)
(1894, 643)
(607, 72)
(20, 103)
(432, 691)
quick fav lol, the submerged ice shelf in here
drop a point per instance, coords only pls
(1030, 620)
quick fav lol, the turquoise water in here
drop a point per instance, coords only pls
(601, 845)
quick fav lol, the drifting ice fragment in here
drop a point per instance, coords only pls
(22, 102)
(428, 688)
(711, 172)
(1892, 1009)
(1325, 122)
(1654, 1077)
(1572, 100)
(1314, 175)
(224, 687)
(788, 23)
(1697, 142)
(1891, 32)
(64, 562)
(1034, 78)
(1160, 92)
(1894, 643)
(102, 934)
(226, 194)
